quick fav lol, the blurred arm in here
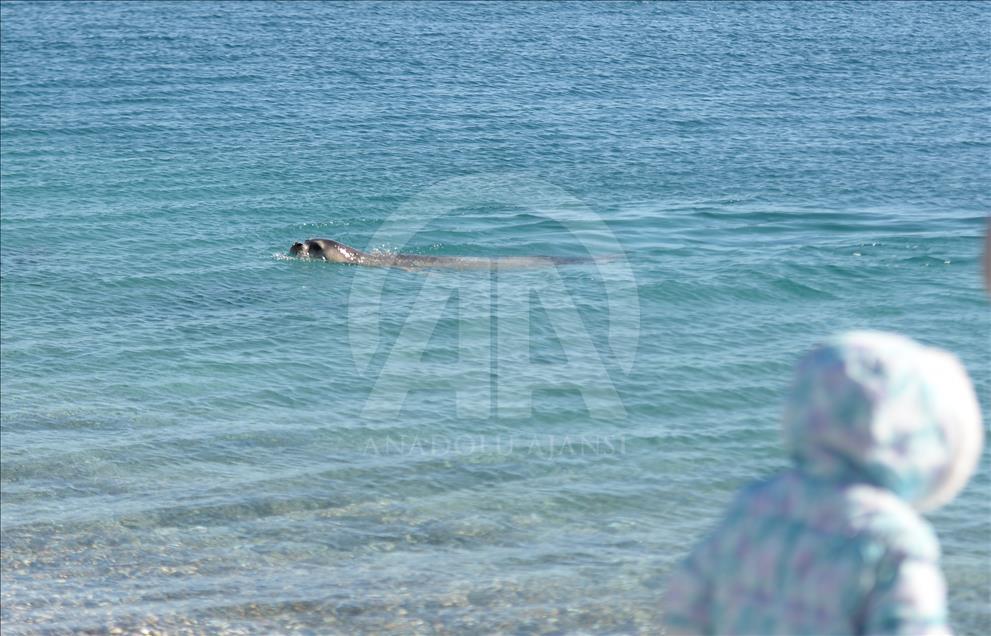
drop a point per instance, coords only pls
(909, 599)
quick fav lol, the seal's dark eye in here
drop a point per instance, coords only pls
(315, 248)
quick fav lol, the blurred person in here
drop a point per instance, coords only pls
(987, 258)
(879, 428)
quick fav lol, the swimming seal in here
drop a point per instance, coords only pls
(335, 252)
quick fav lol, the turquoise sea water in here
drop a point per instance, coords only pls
(201, 434)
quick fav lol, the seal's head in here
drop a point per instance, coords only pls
(325, 249)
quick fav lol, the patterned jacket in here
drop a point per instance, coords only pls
(879, 427)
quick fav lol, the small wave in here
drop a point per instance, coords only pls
(927, 260)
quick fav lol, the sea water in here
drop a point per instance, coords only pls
(200, 434)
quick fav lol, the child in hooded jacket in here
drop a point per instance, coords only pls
(878, 427)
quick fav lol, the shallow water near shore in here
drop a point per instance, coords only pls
(201, 434)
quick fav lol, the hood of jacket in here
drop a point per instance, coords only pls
(876, 407)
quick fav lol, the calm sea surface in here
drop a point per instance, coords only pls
(201, 434)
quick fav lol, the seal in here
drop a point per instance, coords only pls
(336, 252)
(327, 250)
